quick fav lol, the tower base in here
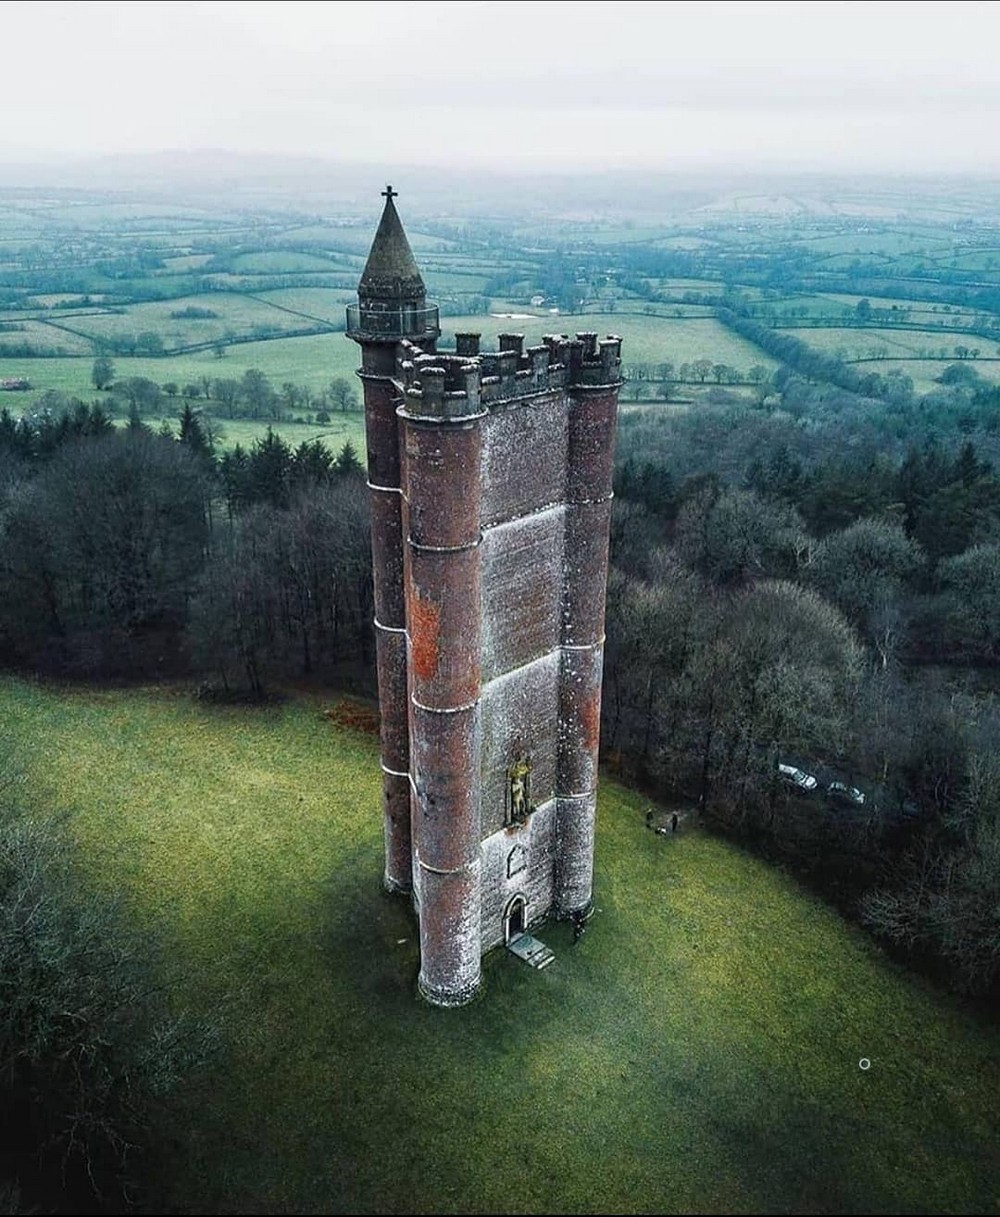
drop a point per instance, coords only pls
(448, 998)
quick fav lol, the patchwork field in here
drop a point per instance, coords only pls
(698, 1051)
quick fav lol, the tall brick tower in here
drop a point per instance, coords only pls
(490, 477)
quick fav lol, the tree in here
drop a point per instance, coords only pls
(258, 395)
(192, 433)
(102, 373)
(732, 535)
(269, 471)
(863, 569)
(86, 1044)
(347, 459)
(143, 395)
(777, 672)
(226, 393)
(287, 591)
(342, 395)
(291, 397)
(944, 895)
(312, 464)
(970, 585)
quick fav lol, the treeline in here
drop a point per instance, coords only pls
(808, 361)
(787, 585)
(251, 395)
(124, 552)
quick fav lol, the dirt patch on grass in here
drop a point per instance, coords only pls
(353, 714)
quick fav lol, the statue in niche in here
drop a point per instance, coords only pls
(519, 781)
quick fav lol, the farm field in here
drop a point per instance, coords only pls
(236, 313)
(857, 343)
(313, 361)
(925, 372)
(698, 1051)
(645, 339)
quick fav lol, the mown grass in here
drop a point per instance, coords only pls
(698, 1050)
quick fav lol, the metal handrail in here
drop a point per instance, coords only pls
(392, 322)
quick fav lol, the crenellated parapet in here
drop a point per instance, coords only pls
(444, 385)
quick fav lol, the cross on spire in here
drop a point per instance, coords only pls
(389, 193)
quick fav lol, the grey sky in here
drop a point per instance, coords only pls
(813, 85)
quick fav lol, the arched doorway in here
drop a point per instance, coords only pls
(514, 918)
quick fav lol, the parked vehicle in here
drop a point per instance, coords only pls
(795, 777)
(850, 796)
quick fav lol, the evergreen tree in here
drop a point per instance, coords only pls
(347, 459)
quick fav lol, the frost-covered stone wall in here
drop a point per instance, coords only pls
(518, 861)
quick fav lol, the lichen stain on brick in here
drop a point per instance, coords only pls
(425, 618)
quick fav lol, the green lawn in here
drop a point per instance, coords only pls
(698, 1051)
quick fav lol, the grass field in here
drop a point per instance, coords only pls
(925, 372)
(897, 343)
(340, 429)
(644, 339)
(235, 314)
(316, 360)
(312, 361)
(698, 1051)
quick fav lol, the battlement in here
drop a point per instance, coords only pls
(462, 384)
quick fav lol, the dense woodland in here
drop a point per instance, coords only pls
(817, 580)
(805, 570)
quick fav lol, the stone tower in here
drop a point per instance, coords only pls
(490, 478)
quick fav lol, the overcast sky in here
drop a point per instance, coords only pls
(841, 86)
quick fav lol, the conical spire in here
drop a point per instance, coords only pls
(391, 272)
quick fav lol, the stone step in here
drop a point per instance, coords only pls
(531, 951)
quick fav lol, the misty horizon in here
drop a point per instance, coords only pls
(686, 88)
